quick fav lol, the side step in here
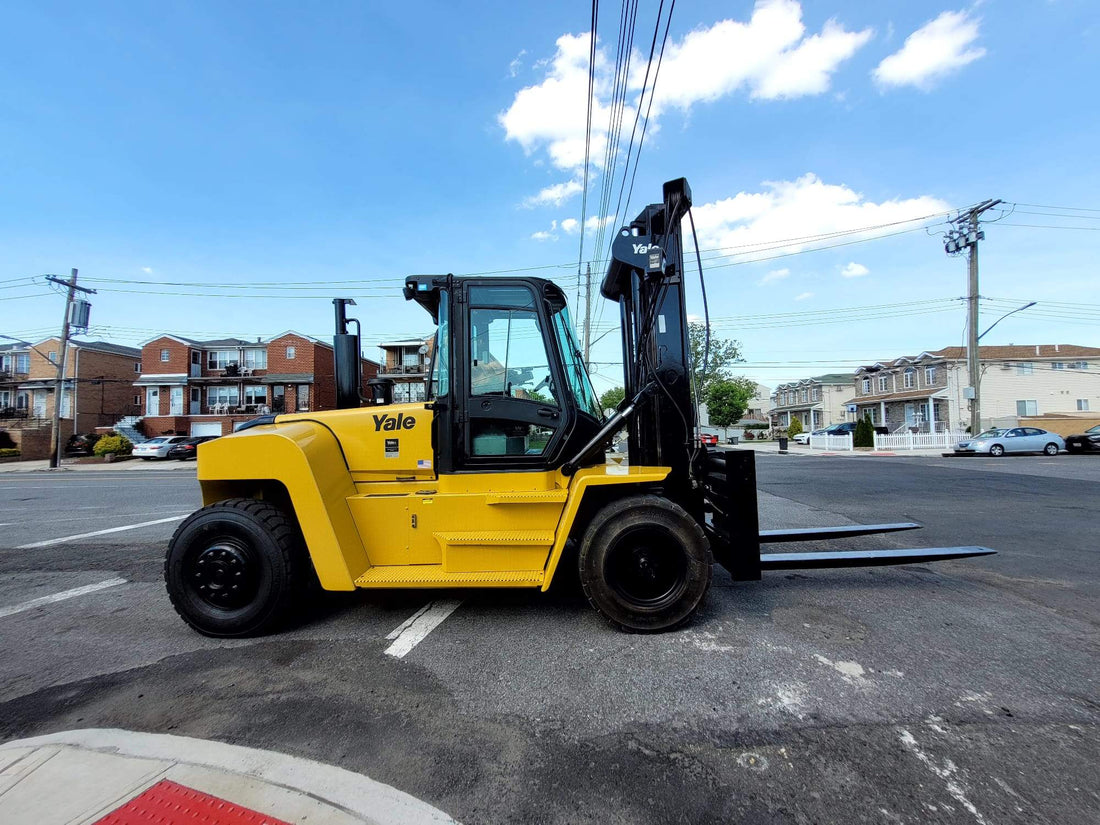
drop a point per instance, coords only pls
(433, 575)
(839, 532)
(866, 558)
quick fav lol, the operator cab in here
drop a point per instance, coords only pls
(508, 383)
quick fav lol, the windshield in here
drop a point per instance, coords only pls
(439, 376)
(1094, 430)
(576, 373)
(990, 434)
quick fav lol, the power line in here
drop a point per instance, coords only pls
(587, 135)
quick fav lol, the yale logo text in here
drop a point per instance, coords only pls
(388, 422)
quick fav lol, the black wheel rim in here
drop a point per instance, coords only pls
(223, 573)
(647, 568)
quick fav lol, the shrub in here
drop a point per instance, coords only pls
(9, 452)
(117, 444)
(749, 436)
(794, 428)
(865, 434)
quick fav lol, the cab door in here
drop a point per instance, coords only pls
(516, 405)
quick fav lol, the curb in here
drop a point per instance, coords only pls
(332, 787)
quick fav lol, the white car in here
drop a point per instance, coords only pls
(157, 447)
(802, 438)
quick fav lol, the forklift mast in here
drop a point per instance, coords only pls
(646, 278)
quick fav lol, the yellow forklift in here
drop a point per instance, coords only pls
(501, 473)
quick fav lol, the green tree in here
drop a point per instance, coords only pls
(721, 357)
(865, 434)
(727, 399)
(611, 399)
(794, 428)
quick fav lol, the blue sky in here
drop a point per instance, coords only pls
(303, 145)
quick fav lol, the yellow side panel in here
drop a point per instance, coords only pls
(306, 459)
(382, 443)
(383, 523)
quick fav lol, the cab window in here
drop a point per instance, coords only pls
(508, 355)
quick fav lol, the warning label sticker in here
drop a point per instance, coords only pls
(393, 449)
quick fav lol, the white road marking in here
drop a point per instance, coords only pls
(64, 539)
(947, 773)
(60, 597)
(401, 628)
(413, 631)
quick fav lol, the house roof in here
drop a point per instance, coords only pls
(21, 345)
(831, 378)
(912, 394)
(1011, 352)
(107, 346)
(301, 335)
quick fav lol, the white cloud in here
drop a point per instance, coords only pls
(789, 216)
(555, 195)
(148, 270)
(854, 270)
(934, 50)
(570, 226)
(546, 235)
(770, 57)
(774, 275)
(516, 64)
(802, 296)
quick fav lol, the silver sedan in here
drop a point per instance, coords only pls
(997, 442)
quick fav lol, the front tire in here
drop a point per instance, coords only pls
(645, 564)
(996, 451)
(233, 568)
(1051, 449)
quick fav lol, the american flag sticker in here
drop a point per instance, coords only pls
(424, 464)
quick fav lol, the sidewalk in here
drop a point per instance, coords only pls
(116, 777)
(133, 465)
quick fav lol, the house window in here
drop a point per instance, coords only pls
(255, 359)
(866, 386)
(1058, 365)
(255, 395)
(1027, 408)
(910, 380)
(53, 356)
(219, 359)
(1025, 368)
(303, 397)
(816, 394)
(165, 355)
(805, 396)
(137, 400)
(291, 353)
(1082, 405)
(137, 366)
(230, 395)
(930, 375)
(23, 362)
(1079, 365)
(883, 383)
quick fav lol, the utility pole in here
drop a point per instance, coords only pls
(587, 312)
(62, 357)
(966, 235)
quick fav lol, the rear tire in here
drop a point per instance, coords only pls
(645, 564)
(1051, 449)
(234, 568)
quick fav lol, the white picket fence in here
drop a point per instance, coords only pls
(919, 441)
(831, 442)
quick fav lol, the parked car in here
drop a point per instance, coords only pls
(804, 437)
(1087, 441)
(997, 442)
(709, 439)
(189, 447)
(157, 447)
(82, 443)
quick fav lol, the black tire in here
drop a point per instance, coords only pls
(645, 564)
(234, 568)
(1051, 449)
(996, 450)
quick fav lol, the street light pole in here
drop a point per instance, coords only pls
(62, 358)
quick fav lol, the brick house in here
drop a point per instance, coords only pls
(208, 387)
(927, 392)
(97, 390)
(816, 402)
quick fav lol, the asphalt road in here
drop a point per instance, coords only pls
(957, 692)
